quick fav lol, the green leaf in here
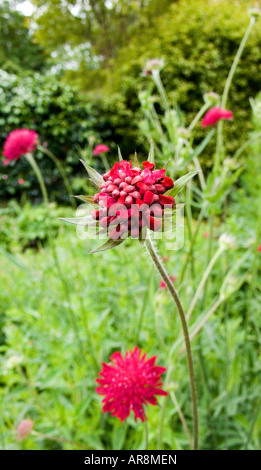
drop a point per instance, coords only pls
(151, 157)
(86, 199)
(119, 153)
(200, 148)
(87, 220)
(180, 183)
(107, 245)
(224, 186)
(136, 161)
(96, 178)
(118, 436)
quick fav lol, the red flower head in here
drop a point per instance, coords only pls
(163, 285)
(100, 149)
(214, 115)
(259, 249)
(128, 383)
(21, 181)
(19, 142)
(132, 198)
(206, 235)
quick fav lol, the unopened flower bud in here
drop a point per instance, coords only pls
(24, 429)
(227, 241)
(211, 98)
(13, 361)
(255, 12)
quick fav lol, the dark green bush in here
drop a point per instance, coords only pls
(65, 121)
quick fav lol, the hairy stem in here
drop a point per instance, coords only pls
(164, 275)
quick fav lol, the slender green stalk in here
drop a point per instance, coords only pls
(105, 162)
(39, 176)
(189, 220)
(146, 434)
(141, 316)
(29, 157)
(246, 144)
(203, 321)
(236, 60)
(198, 116)
(193, 241)
(181, 417)
(164, 275)
(203, 281)
(161, 89)
(59, 165)
(227, 88)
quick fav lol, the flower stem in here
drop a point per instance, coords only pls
(227, 88)
(29, 157)
(164, 275)
(161, 89)
(62, 171)
(198, 116)
(146, 434)
(203, 281)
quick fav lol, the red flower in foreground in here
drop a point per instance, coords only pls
(259, 248)
(132, 198)
(163, 285)
(128, 383)
(214, 115)
(19, 142)
(100, 149)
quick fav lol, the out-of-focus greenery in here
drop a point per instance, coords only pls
(198, 40)
(64, 311)
(18, 50)
(65, 122)
(88, 306)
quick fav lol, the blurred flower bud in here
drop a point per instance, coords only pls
(183, 133)
(227, 241)
(91, 139)
(230, 163)
(24, 429)
(13, 361)
(151, 65)
(211, 98)
(230, 285)
(254, 12)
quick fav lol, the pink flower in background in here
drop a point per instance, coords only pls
(100, 149)
(20, 181)
(214, 115)
(163, 285)
(206, 235)
(19, 142)
(24, 429)
(259, 248)
(129, 383)
(5, 177)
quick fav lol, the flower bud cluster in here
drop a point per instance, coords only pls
(132, 198)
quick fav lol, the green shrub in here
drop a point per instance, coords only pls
(198, 40)
(65, 121)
